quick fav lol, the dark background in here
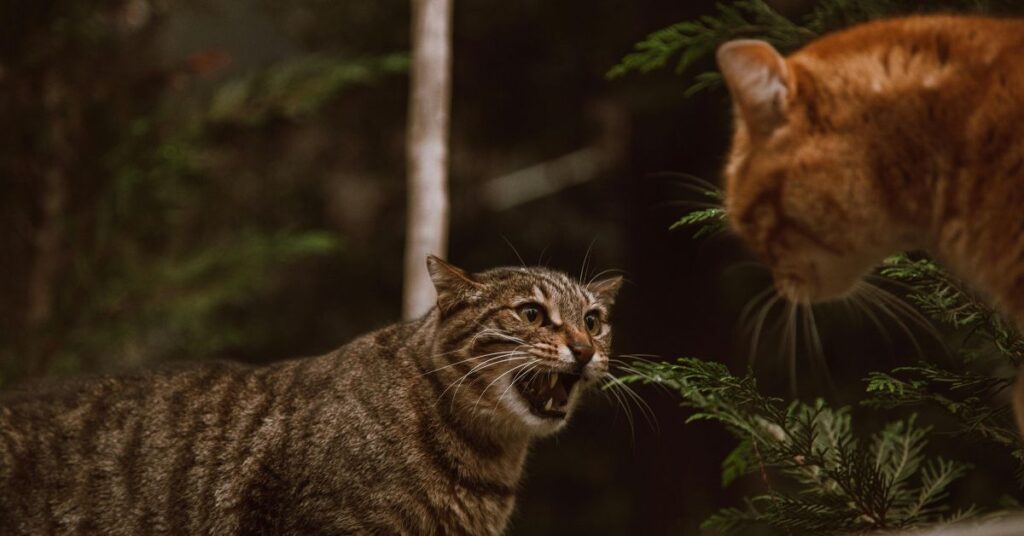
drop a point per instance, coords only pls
(174, 190)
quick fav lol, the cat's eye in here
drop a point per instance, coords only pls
(593, 322)
(532, 313)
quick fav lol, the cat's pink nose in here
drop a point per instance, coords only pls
(583, 353)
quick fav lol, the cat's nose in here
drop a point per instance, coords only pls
(583, 353)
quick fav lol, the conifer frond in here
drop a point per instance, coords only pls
(693, 40)
(820, 478)
(708, 221)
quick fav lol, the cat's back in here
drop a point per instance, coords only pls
(950, 37)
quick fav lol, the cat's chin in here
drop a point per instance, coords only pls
(824, 282)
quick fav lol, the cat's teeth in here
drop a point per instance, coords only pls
(554, 380)
(549, 404)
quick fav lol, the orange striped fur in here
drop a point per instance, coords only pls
(893, 135)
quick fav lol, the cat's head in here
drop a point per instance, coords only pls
(802, 177)
(522, 344)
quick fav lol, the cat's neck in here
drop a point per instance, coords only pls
(450, 364)
(976, 224)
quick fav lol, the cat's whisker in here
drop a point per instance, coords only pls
(887, 281)
(753, 302)
(642, 358)
(911, 313)
(624, 366)
(638, 372)
(629, 395)
(758, 325)
(461, 381)
(586, 257)
(502, 375)
(688, 204)
(861, 306)
(540, 258)
(507, 356)
(515, 251)
(869, 291)
(471, 358)
(531, 366)
(818, 347)
(817, 350)
(602, 273)
(499, 334)
(608, 386)
(687, 179)
(787, 345)
(646, 411)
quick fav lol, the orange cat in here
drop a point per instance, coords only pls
(893, 135)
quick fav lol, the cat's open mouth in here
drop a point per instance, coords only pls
(548, 393)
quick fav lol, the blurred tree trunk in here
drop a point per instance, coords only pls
(427, 149)
(48, 236)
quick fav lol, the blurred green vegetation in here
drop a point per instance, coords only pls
(146, 227)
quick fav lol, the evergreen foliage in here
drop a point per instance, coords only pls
(152, 261)
(818, 474)
(821, 477)
(685, 43)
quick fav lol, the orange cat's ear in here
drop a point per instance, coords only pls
(758, 81)
(453, 284)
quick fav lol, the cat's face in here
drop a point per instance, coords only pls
(529, 340)
(801, 185)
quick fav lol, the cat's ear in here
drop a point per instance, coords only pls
(758, 81)
(606, 289)
(453, 284)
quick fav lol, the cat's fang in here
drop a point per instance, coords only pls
(553, 380)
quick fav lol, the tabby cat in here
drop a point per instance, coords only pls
(893, 135)
(418, 428)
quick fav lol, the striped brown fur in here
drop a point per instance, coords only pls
(377, 437)
(893, 135)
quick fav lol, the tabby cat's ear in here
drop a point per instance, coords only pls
(758, 81)
(606, 289)
(453, 284)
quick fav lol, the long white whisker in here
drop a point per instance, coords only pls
(514, 250)
(758, 324)
(819, 349)
(596, 276)
(787, 346)
(869, 290)
(500, 376)
(521, 374)
(911, 313)
(472, 358)
(753, 303)
(864, 308)
(586, 256)
(618, 397)
(508, 356)
(645, 409)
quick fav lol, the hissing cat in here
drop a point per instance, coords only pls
(893, 135)
(419, 428)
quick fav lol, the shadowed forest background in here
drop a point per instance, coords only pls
(225, 179)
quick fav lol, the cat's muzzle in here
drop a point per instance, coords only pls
(548, 393)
